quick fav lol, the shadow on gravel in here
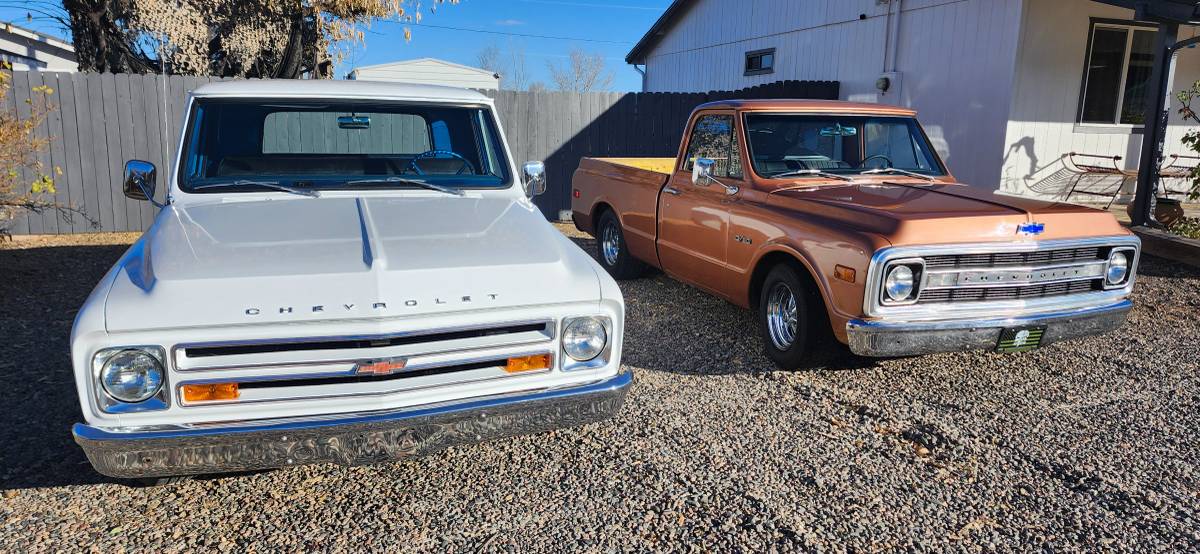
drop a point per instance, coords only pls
(672, 327)
(43, 288)
(1162, 267)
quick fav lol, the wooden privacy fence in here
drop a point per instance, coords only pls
(559, 128)
(102, 120)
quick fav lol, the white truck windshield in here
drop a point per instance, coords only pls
(235, 145)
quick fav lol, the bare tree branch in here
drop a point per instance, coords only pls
(518, 75)
(508, 63)
(583, 73)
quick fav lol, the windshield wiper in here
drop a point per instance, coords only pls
(811, 173)
(883, 170)
(403, 181)
(273, 185)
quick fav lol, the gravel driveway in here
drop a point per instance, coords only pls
(1087, 445)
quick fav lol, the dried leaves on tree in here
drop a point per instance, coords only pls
(26, 183)
(228, 38)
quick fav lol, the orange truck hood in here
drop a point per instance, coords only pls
(944, 213)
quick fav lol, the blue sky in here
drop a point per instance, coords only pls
(579, 23)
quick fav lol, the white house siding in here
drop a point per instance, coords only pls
(1042, 128)
(955, 58)
(429, 72)
(30, 51)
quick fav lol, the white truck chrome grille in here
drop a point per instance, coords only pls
(325, 367)
(319, 350)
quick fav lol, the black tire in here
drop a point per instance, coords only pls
(782, 281)
(615, 257)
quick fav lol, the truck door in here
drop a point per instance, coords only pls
(693, 222)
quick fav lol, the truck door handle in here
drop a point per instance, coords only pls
(670, 190)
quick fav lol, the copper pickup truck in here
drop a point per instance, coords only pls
(832, 213)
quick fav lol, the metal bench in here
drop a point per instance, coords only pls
(1180, 167)
(1084, 165)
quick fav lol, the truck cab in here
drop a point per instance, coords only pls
(839, 215)
(342, 272)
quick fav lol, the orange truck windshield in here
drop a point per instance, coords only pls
(782, 144)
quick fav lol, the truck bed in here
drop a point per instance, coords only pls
(627, 186)
(657, 165)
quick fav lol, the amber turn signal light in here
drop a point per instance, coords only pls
(844, 273)
(528, 363)
(210, 393)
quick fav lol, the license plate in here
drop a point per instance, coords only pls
(1020, 339)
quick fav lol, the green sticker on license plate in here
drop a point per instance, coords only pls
(1020, 339)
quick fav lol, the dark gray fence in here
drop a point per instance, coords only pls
(560, 128)
(102, 120)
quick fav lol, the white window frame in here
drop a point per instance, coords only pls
(1130, 28)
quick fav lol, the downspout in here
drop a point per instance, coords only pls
(891, 41)
(896, 42)
(887, 39)
(891, 50)
(643, 72)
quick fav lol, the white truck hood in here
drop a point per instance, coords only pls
(304, 259)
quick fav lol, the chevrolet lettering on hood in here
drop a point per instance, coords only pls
(386, 298)
(376, 307)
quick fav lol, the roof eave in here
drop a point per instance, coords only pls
(656, 32)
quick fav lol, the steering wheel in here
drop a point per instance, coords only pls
(412, 165)
(886, 159)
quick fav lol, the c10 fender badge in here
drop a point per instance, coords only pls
(1031, 228)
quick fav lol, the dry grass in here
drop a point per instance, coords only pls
(25, 242)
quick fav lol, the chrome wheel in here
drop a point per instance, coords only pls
(782, 316)
(610, 244)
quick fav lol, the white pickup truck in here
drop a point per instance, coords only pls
(343, 272)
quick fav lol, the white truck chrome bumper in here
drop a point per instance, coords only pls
(348, 439)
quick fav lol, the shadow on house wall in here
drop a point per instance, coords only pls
(1082, 177)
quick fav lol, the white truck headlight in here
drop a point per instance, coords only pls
(131, 375)
(1118, 268)
(584, 338)
(899, 283)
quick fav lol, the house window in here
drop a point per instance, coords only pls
(1117, 77)
(760, 62)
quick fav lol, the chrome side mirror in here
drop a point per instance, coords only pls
(702, 175)
(702, 171)
(140, 179)
(535, 178)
